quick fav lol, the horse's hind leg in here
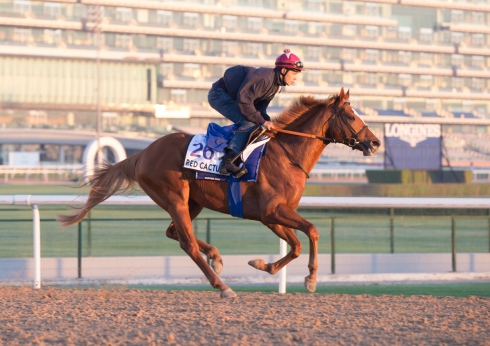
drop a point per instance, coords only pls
(183, 223)
(288, 235)
(210, 251)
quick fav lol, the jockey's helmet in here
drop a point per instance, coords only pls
(289, 61)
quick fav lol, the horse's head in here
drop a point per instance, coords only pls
(345, 126)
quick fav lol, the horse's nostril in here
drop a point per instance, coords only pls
(375, 144)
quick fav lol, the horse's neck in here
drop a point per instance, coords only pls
(308, 150)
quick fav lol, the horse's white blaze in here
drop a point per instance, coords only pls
(355, 112)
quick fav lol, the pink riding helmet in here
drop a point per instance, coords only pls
(290, 61)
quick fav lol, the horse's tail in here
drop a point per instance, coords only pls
(105, 182)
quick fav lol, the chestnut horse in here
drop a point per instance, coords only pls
(272, 199)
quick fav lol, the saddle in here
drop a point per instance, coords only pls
(254, 135)
(205, 151)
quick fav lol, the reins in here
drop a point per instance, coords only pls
(350, 141)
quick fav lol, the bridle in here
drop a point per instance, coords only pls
(337, 118)
(349, 141)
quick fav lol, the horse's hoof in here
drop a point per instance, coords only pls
(310, 285)
(228, 293)
(217, 266)
(257, 263)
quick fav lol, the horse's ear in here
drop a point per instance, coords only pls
(343, 96)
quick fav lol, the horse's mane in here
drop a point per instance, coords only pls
(299, 107)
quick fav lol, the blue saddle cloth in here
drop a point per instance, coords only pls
(217, 138)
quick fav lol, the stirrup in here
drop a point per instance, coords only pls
(240, 173)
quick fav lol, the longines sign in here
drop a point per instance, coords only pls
(413, 146)
(413, 133)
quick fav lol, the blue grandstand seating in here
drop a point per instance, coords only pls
(429, 114)
(464, 115)
(392, 112)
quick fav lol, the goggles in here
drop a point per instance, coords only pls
(298, 64)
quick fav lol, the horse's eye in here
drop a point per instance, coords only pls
(351, 117)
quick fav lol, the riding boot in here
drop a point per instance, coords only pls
(227, 166)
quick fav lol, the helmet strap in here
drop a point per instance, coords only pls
(283, 75)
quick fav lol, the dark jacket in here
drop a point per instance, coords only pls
(253, 88)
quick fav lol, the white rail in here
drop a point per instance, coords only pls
(306, 203)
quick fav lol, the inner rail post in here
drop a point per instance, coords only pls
(332, 245)
(392, 230)
(36, 221)
(453, 243)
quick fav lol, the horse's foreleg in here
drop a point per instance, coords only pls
(287, 217)
(288, 235)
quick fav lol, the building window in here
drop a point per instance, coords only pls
(477, 40)
(314, 76)
(178, 96)
(51, 9)
(252, 48)
(372, 55)
(456, 60)
(165, 43)
(255, 3)
(254, 24)
(166, 69)
(22, 35)
(431, 105)
(457, 37)
(477, 61)
(348, 78)
(426, 80)
(477, 18)
(372, 32)
(315, 28)
(349, 30)
(477, 83)
(22, 6)
(191, 19)
(314, 52)
(124, 41)
(191, 45)
(315, 5)
(368, 78)
(427, 58)
(231, 48)
(164, 17)
(399, 104)
(457, 82)
(291, 26)
(208, 20)
(192, 70)
(426, 35)
(124, 14)
(348, 7)
(405, 79)
(52, 36)
(457, 16)
(405, 57)
(372, 9)
(348, 54)
(404, 33)
(229, 22)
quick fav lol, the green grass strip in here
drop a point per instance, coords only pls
(479, 289)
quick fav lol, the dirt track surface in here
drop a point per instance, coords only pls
(137, 317)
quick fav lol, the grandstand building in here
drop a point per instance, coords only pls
(403, 61)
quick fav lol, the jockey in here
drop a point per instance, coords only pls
(243, 94)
